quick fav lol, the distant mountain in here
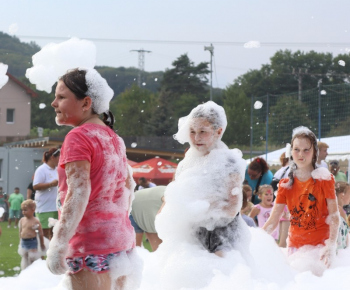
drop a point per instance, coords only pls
(18, 56)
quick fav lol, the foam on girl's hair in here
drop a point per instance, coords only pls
(212, 112)
(301, 130)
(98, 90)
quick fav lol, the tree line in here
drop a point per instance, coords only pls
(154, 108)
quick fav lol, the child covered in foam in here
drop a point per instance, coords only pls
(204, 201)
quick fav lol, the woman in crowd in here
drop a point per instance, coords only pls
(256, 174)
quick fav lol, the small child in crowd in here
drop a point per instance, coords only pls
(263, 210)
(15, 201)
(247, 192)
(342, 190)
(28, 226)
(309, 194)
(248, 220)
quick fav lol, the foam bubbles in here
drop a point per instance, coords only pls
(258, 105)
(252, 44)
(42, 106)
(99, 91)
(133, 145)
(341, 62)
(13, 28)
(3, 77)
(54, 59)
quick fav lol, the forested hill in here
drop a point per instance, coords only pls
(18, 56)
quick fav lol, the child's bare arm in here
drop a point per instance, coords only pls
(79, 189)
(20, 227)
(333, 220)
(274, 218)
(41, 236)
(254, 212)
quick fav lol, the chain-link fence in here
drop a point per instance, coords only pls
(325, 110)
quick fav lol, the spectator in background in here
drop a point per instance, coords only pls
(145, 206)
(30, 190)
(284, 170)
(247, 197)
(45, 183)
(15, 201)
(334, 169)
(258, 173)
(144, 183)
(4, 204)
(322, 154)
(249, 221)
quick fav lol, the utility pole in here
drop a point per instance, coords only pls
(211, 50)
(141, 63)
(299, 75)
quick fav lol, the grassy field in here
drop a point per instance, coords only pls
(9, 259)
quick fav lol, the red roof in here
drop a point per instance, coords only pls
(28, 90)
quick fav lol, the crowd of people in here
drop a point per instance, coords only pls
(87, 187)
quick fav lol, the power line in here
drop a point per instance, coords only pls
(201, 42)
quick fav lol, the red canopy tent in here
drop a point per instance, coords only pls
(157, 170)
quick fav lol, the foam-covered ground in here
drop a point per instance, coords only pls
(188, 267)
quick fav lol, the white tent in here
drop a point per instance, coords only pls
(339, 149)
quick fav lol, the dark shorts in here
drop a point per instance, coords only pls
(29, 244)
(221, 238)
(94, 263)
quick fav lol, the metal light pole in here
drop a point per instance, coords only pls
(211, 50)
(319, 109)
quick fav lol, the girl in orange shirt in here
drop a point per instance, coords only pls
(310, 196)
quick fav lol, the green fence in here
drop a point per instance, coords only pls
(325, 110)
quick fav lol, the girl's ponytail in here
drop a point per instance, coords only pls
(108, 119)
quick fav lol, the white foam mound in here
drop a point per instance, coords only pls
(3, 77)
(54, 59)
(199, 270)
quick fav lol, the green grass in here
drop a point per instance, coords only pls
(9, 258)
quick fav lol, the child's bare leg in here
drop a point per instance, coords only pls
(219, 254)
(139, 237)
(154, 240)
(32, 256)
(9, 222)
(284, 228)
(87, 280)
(120, 283)
(24, 260)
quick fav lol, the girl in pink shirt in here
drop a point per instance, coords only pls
(93, 239)
(263, 210)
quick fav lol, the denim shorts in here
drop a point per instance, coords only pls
(94, 263)
(29, 244)
(138, 230)
(15, 214)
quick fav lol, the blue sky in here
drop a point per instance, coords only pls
(234, 22)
